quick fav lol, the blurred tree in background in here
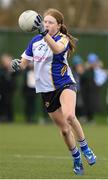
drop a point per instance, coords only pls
(81, 14)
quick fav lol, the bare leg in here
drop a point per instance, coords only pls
(69, 139)
(68, 102)
(64, 127)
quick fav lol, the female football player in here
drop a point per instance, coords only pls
(49, 51)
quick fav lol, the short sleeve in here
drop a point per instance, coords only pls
(28, 54)
(64, 40)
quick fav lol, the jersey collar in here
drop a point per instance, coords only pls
(55, 35)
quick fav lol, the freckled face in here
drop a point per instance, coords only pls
(51, 24)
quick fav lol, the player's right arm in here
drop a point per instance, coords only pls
(19, 64)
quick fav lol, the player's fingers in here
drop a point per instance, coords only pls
(40, 18)
(36, 23)
(19, 61)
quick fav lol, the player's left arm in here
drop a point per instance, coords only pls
(56, 47)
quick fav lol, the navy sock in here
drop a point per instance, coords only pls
(83, 145)
(75, 153)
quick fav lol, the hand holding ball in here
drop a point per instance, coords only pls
(27, 21)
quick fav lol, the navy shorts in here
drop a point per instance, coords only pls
(51, 99)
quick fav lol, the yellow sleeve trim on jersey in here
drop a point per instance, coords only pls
(64, 39)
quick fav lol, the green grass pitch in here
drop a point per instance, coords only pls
(38, 152)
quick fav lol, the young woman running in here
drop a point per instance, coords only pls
(49, 51)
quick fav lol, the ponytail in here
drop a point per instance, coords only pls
(63, 29)
(73, 40)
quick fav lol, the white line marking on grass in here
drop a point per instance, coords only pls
(52, 157)
(41, 157)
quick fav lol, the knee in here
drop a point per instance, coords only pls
(65, 131)
(69, 116)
